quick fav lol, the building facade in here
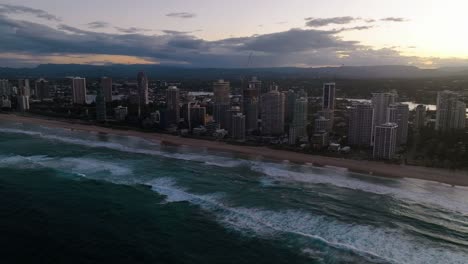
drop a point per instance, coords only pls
(360, 125)
(273, 104)
(106, 87)
(328, 97)
(173, 104)
(385, 141)
(451, 112)
(399, 114)
(79, 90)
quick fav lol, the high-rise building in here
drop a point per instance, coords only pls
(42, 90)
(385, 141)
(24, 88)
(250, 108)
(420, 117)
(142, 89)
(451, 112)
(222, 102)
(291, 98)
(322, 124)
(79, 90)
(106, 86)
(234, 110)
(256, 84)
(238, 126)
(360, 124)
(328, 100)
(22, 103)
(197, 116)
(173, 104)
(121, 113)
(381, 102)
(399, 113)
(5, 89)
(101, 114)
(273, 104)
(300, 117)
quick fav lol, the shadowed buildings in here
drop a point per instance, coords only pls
(42, 89)
(273, 113)
(106, 87)
(385, 141)
(79, 90)
(250, 108)
(222, 102)
(173, 104)
(360, 124)
(399, 114)
(451, 112)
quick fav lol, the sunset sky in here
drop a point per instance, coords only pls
(218, 33)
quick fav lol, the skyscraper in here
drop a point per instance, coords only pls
(385, 141)
(234, 110)
(197, 116)
(238, 126)
(24, 88)
(256, 84)
(79, 90)
(42, 89)
(142, 89)
(250, 108)
(360, 124)
(300, 117)
(22, 103)
(291, 98)
(106, 87)
(222, 102)
(399, 113)
(451, 112)
(322, 124)
(328, 101)
(173, 107)
(101, 114)
(381, 102)
(273, 113)
(420, 117)
(5, 89)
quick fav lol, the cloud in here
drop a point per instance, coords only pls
(176, 32)
(359, 28)
(98, 24)
(35, 43)
(16, 9)
(321, 22)
(394, 19)
(181, 15)
(132, 30)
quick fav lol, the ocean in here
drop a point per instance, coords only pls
(79, 197)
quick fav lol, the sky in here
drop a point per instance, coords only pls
(221, 33)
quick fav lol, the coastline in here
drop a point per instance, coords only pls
(372, 168)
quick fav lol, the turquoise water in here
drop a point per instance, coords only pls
(79, 197)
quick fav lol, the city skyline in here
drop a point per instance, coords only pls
(219, 34)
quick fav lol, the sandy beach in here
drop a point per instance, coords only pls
(457, 177)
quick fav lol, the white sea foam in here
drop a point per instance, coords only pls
(409, 190)
(79, 166)
(385, 244)
(205, 158)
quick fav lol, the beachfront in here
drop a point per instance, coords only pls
(457, 177)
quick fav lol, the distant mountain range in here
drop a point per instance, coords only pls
(171, 72)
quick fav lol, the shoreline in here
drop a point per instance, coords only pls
(370, 168)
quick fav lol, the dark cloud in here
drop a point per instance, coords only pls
(394, 19)
(16, 9)
(181, 15)
(295, 47)
(98, 24)
(359, 28)
(131, 30)
(321, 22)
(176, 32)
